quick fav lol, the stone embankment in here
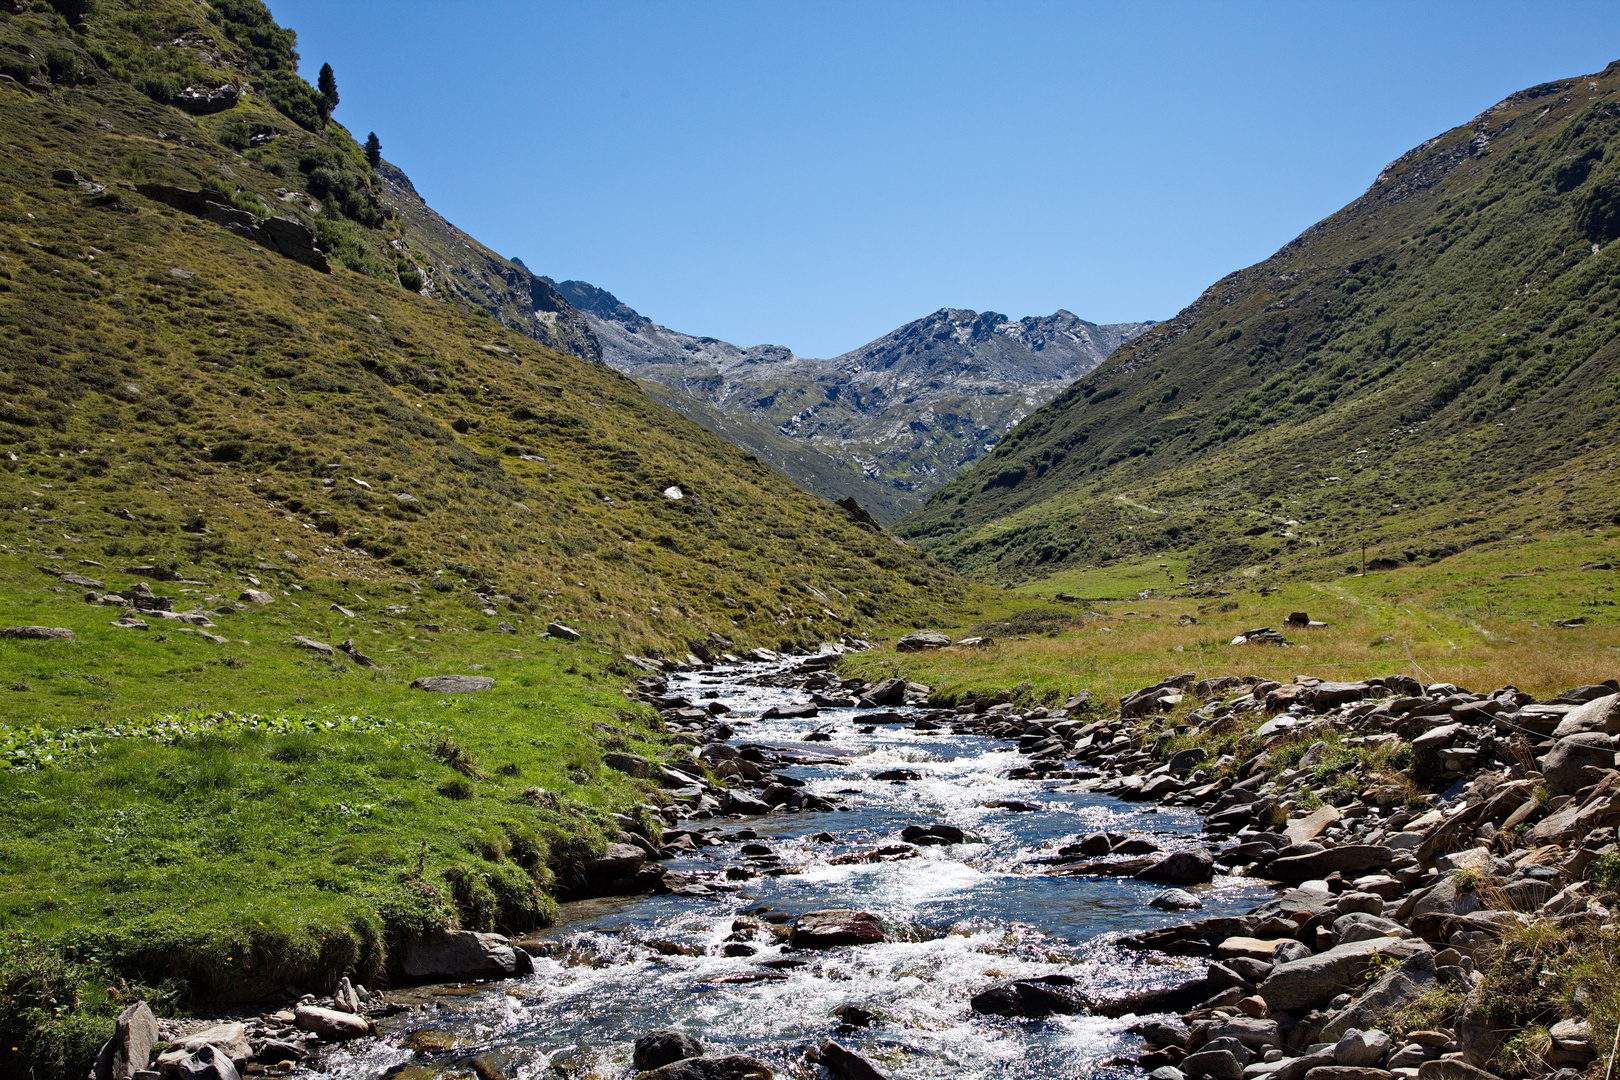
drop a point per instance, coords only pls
(1414, 833)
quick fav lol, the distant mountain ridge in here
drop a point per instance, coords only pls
(889, 422)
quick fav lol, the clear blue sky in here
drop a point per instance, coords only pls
(816, 174)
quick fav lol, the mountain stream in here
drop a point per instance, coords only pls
(959, 920)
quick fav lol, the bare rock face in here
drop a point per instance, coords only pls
(205, 100)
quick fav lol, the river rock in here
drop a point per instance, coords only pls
(1399, 987)
(1215, 1064)
(844, 1064)
(1603, 715)
(1251, 1031)
(453, 684)
(732, 1067)
(630, 764)
(1193, 866)
(333, 1025)
(1452, 1069)
(889, 692)
(1361, 1049)
(208, 1063)
(1577, 761)
(1315, 980)
(737, 802)
(1345, 859)
(918, 640)
(1176, 900)
(1360, 926)
(1347, 1072)
(229, 1038)
(1433, 909)
(38, 633)
(831, 927)
(462, 954)
(659, 1048)
(130, 1048)
(1182, 760)
(933, 835)
(619, 861)
(1031, 997)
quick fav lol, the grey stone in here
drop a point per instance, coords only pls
(1576, 761)
(918, 640)
(1396, 989)
(1346, 859)
(1167, 1072)
(453, 684)
(1315, 980)
(558, 630)
(207, 1063)
(1248, 1030)
(831, 927)
(731, 1067)
(1182, 760)
(1361, 1049)
(1176, 900)
(1190, 867)
(888, 692)
(256, 596)
(1289, 950)
(737, 802)
(1347, 1072)
(659, 1048)
(462, 954)
(332, 1025)
(130, 1048)
(38, 633)
(630, 764)
(1602, 715)
(845, 1064)
(1360, 926)
(1215, 1064)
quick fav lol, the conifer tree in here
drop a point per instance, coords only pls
(327, 85)
(373, 149)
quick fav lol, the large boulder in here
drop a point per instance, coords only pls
(1192, 866)
(918, 640)
(130, 1048)
(332, 1025)
(208, 1063)
(462, 954)
(1602, 715)
(845, 1064)
(630, 764)
(1399, 987)
(1577, 761)
(659, 1048)
(835, 926)
(38, 633)
(1315, 980)
(887, 692)
(1031, 997)
(731, 1067)
(1346, 859)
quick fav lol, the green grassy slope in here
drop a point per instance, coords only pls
(183, 406)
(1432, 365)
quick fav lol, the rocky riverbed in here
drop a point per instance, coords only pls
(1222, 878)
